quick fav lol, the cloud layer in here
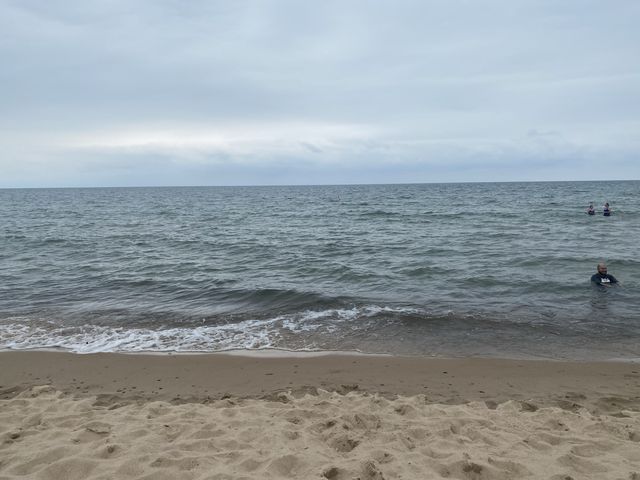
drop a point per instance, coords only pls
(271, 92)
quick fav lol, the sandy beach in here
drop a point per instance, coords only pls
(111, 416)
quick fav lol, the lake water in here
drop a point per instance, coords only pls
(485, 269)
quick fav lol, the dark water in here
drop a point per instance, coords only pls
(437, 269)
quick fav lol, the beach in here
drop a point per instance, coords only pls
(318, 332)
(319, 241)
(334, 416)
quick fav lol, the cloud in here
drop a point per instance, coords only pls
(423, 86)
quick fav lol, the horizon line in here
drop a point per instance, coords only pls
(315, 184)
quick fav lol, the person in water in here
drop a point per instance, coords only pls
(606, 211)
(591, 210)
(602, 277)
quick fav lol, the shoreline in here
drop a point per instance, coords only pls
(261, 353)
(184, 377)
(284, 353)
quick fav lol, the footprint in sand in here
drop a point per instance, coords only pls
(335, 473)
(344, 444)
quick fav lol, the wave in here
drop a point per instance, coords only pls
(370, 328)
(20, 333)
(262, 299)
(209, 296)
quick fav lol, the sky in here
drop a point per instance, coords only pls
(234, 92)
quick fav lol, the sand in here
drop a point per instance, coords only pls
(108, 416)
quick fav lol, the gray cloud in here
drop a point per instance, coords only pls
(430, 91)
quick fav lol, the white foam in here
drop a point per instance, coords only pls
(21, 333)
(91, 339)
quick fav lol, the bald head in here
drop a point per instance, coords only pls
(602, 268)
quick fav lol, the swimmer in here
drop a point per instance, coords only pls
(606, 210)
(590, 210)
(602, 277)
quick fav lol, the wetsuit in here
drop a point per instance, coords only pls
(605, 279)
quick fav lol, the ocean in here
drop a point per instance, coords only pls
(474, 269)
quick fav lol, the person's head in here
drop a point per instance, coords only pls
(606, 204)
(591, 205)
(602, 268)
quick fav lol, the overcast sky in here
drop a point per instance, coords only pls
(149, 92)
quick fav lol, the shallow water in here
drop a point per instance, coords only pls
(491, 269)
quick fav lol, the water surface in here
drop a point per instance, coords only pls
(487, 269)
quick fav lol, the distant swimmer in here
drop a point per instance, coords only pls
(591, 210)
(606, 211)
(602, 277)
